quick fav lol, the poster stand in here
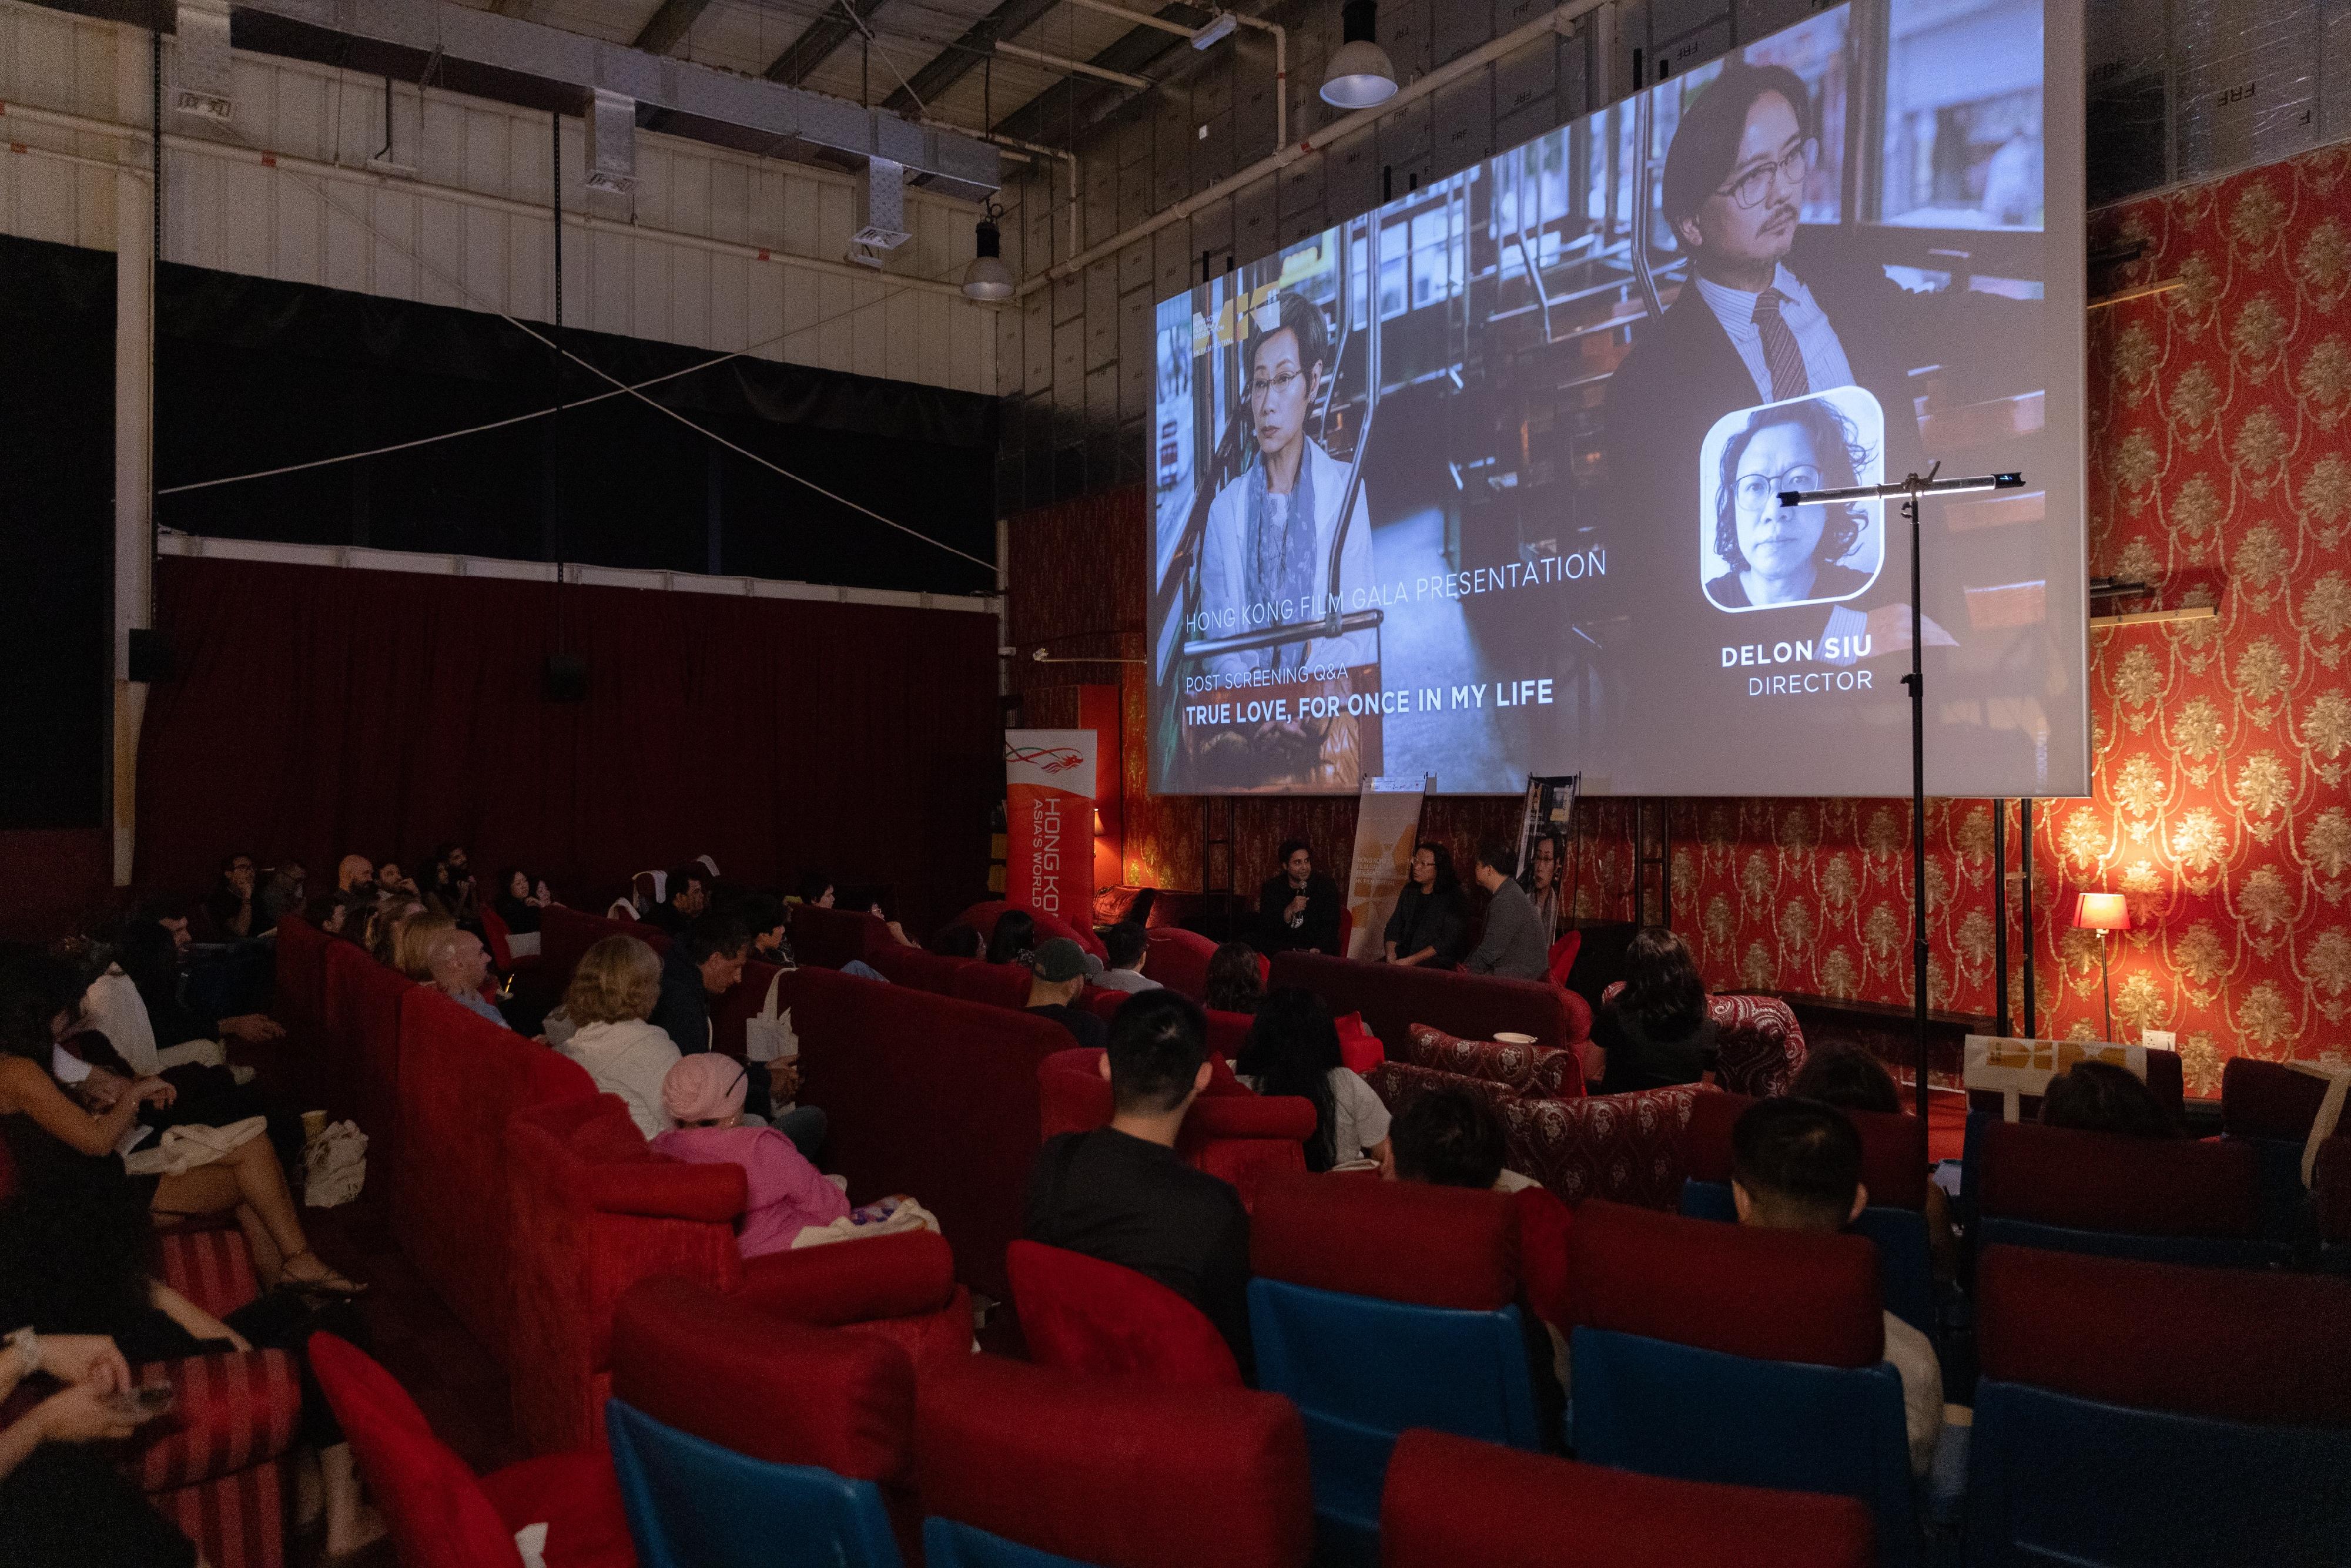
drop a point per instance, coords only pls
(1550, 809)
(1387, 826)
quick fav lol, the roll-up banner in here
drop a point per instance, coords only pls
(1048, 820)
(1387, 825)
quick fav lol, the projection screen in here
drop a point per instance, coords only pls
(1484, 483)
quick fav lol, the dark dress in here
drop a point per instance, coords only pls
(1637, 1059)
(1437, 919)
(520, 914)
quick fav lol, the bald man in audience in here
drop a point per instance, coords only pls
(460, 965)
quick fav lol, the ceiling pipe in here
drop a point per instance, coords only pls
(1478, 59)
(1192, 35)
(1078, 67)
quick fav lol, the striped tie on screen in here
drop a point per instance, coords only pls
(1781, 355)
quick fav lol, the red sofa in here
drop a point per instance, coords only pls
(462, 1079)
(924, 971)
(360, 1052)
(829, 938)
(995, 985)
(1227, 1032)
(930, 1096)
(565, 934)
(1231, 1132)
(1178, 959)
(1394, 998)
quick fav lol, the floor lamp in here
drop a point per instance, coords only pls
(2102, 913)
(1907, 492)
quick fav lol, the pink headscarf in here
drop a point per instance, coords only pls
(705, 1087)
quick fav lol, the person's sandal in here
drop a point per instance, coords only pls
(331, 1284)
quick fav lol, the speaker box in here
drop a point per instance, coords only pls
(150, 656)
(567, 678)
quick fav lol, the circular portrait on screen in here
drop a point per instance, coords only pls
(1756, 554)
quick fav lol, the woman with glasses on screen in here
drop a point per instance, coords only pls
(1787, 555)
(1265, 560)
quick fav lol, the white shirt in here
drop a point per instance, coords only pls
(1224, 607)
(1359, 1121)
(1129, 981)
(631, 1059)
(1824, 360)
(1913, 1360)
(113, 1006)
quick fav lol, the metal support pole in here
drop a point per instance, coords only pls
(2024, 851)
(1917, 681)
(1999, 917)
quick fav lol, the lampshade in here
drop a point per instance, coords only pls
(2102, 912)
(987, 277)
(1360, 74)
(1098, 822)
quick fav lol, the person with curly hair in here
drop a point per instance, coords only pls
(1789, 555)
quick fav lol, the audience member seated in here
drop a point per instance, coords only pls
(2100, 1097)
(1514, 944)
(1057, 976)
(157, 966)
(1655, 1033)
(1236, 980)
(706, 959)
(1293, 1048)
(1129, 945)
(412, 936)
(957, 940)
(1298, 906)
(1450, 1137)
(604, 1027)
(816, 888)
(1851, 1078)
(1796, 1165)
(521, 897)
(459, 964)
(452, 891)
(355, 879)
(63, 1502)
(703, 1094)
(686, 897)
(330, 914)
(284, 891)
(391, 880)
(1430, 925)
(763, 916)
(1014, 940)
(378, 925)
(231, 913)
(1121, 1194)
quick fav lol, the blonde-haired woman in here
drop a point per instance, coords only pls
(380, 936)
(613, 990)
(411, 943)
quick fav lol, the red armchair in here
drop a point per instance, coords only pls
(1892, 1149)
(1393, 997)
(1758, 1044)
(994, 985)
(1180, 959)
(914, 967)
(462, 1079)
(1231, 1132)
(1081, 1315)
(361, 1047)
(1538, 1071)
(1456, 1502)
(1102, 1471)
(441, 1515)
(831, 938)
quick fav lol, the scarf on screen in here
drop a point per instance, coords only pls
(1281, 555)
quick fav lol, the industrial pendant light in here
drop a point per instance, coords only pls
(1361, 75)
(987, 277)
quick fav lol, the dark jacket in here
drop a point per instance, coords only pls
(1437, 920)
(1638, 1060)
(1318, 931)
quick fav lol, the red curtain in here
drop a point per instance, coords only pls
(319, 711)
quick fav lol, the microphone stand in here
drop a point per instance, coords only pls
(1908, 490)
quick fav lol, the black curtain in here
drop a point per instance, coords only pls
(254, 374)
(57, 491)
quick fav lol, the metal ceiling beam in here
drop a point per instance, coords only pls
(835, 28)
(958, 59)
(675, 18)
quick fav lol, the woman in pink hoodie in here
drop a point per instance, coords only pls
(703, 1094)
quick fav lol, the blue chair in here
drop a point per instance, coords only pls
(1713, 1352)
(1033, 1467)
(1379, 1306)
(2153, 1200)
(742, 1439)
(693, 1505)
(2219, 1433)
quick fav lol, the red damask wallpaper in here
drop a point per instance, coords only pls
(2220, 459)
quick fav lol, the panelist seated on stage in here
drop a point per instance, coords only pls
(1298, 906)
(1514, 946)
(1430, 926)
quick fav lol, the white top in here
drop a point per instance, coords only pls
(629, 1059)
(1359, 1121)
(113, 1006)
(1224, 607)
(1128, 981)
(1913, 1360)
(1825, 361)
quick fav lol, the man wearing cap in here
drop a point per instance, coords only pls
(1058, 973)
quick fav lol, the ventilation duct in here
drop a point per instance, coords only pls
(885, 206)
(611, 143)
(203, 79)
(515, 61)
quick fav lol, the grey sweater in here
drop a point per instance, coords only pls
(1514, 943)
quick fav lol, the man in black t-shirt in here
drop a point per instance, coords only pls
(1120, 1193)
(1058, 975)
